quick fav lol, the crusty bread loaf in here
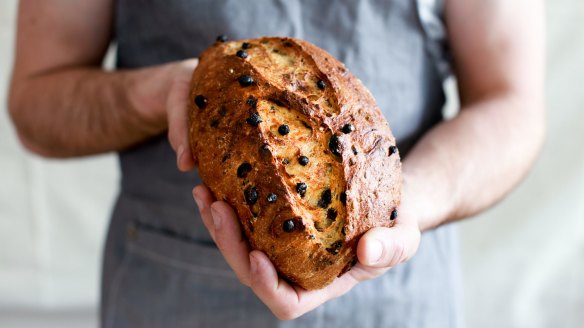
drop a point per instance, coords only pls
(295, 143)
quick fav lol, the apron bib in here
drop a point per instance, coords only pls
(161, 268)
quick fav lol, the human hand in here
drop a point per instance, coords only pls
(378, 250)
(161, 95)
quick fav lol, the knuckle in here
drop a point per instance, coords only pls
(219, 242)
(175, 139)
(243, 280)
(287, 313)
(398, 252)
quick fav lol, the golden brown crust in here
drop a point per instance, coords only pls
(308, 231)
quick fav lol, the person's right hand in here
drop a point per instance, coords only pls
(162, 97)
(378, 250)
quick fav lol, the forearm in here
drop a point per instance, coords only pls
(82, 111)
(467, 164)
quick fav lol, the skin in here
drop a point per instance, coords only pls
(66, 86)
(459, 168)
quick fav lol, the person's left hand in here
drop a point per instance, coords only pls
(378, 250)
(162, 96)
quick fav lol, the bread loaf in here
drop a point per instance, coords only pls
(284, 133)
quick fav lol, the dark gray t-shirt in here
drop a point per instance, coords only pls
(161, 268)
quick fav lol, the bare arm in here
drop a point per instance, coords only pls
(467, 164)
(458, 168)
(61, 101)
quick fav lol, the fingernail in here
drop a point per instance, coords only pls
(375, 250)
(180, 152)
(198, 201)
(216, 218)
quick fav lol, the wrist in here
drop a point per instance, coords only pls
(146, 92)
(422, 199)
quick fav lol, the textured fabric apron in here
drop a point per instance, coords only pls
(161, 268)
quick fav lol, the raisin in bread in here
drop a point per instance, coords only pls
(295, 143)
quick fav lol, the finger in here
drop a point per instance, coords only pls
(285, 301)
(276, 293)
(361, 272)
(386, 247)
(230, 240)
(204, 198)
(177, 107)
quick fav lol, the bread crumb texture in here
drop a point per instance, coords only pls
(284, 133)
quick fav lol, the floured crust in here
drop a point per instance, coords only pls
(246, 156)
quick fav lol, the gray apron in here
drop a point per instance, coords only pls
(161, 268)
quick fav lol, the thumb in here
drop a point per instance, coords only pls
(386, 247)
(178, 116)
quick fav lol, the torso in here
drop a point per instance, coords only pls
(168, 253)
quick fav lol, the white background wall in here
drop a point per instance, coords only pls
(53, 216)
(523, 260)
